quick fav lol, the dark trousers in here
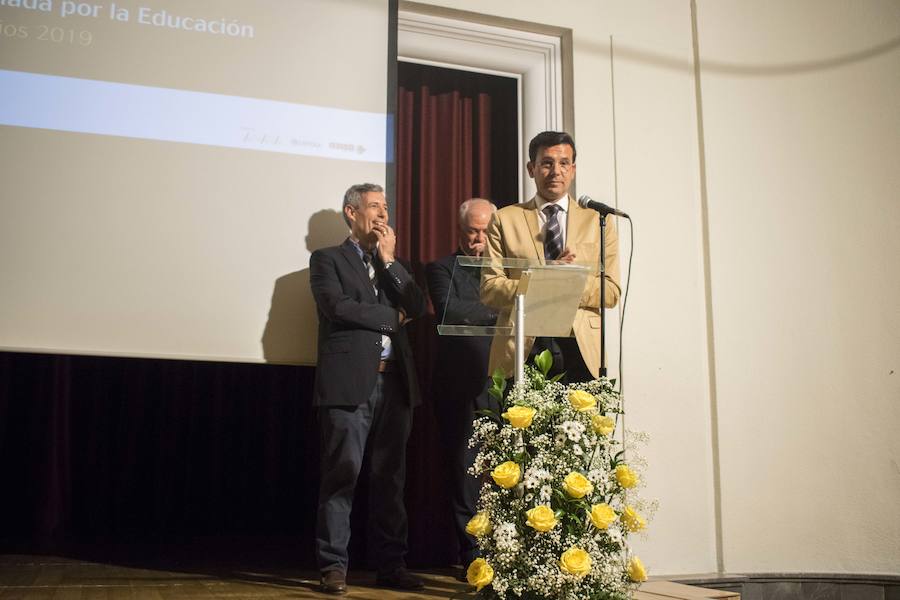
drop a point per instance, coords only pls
(379, 428)
(455, 413)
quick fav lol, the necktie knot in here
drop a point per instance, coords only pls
(551, 209)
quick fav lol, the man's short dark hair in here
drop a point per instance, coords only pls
(546, 139)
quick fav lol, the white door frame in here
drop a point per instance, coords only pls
(539, 57)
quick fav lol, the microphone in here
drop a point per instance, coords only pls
(588, 202)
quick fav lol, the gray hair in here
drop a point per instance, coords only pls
(468, 204)
(353, 196)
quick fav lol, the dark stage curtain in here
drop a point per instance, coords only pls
(99, 450)
(102, 451)
(456, 139)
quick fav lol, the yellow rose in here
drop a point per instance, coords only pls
(582, 401)
(541, 518)
(479, 573)
(602, 424)
(478, 525)
(632, 520)
(602, 516)
(507, 474)
(636, 570)
(577, 485)
(626, 477)
(519, 416)
(575, 561)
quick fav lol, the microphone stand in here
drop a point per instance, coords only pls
(602, 372)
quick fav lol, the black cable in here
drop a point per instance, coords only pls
(624, 303)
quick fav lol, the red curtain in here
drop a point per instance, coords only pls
(443, 158)
(444, 150)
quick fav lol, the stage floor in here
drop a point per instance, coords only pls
(24, 577)
(35, 577)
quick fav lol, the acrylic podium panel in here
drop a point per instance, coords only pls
(551, 291)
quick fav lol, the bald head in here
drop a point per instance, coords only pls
(474, 216)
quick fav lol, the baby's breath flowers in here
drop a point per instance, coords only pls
(558, 500)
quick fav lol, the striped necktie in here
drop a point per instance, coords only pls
(368, 259)
(553, 243)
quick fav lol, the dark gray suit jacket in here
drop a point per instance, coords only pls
(460, 368)
(352, 320)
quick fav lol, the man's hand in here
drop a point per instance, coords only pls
(567, 256)
(387, 241)
(403, 318)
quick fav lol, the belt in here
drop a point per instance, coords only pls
(387, 366)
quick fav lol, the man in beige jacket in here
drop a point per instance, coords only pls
(551, 226)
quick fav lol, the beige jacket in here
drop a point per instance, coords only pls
(515, 232)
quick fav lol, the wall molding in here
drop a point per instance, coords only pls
(538, 56)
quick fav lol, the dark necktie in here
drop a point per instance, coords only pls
(553, 243)
(370, 267)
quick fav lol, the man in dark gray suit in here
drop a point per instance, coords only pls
(460, 367)
(365, 388)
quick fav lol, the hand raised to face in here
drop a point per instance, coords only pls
(387, 241)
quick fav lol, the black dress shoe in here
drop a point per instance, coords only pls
(400, 579)
(333, 582)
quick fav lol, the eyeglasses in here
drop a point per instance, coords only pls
(563, 165)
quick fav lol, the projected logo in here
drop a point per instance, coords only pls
(153, 113)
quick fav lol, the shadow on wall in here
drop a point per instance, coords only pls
(291, 329)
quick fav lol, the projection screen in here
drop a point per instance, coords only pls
(168, 167)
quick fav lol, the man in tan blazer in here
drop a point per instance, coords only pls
(551, 226)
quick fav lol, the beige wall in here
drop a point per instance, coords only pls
(802, 119)
(787, 378)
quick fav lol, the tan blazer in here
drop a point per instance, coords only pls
(515, 232)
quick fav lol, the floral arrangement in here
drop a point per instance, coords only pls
(559, 498)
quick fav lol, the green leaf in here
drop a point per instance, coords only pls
(557, 377)
(498, 386)
(544, 361)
